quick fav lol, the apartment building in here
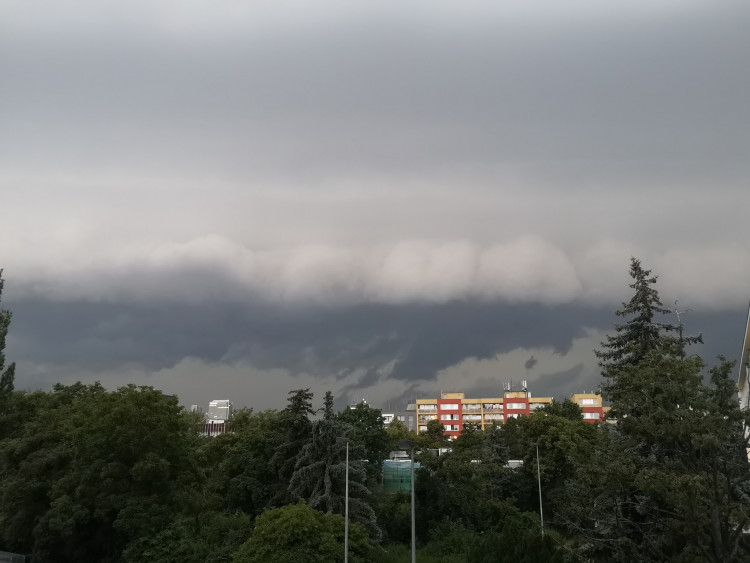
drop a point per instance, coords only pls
(216, 422)
(591, 405)
(454, 410)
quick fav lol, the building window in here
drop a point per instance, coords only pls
(515, 406)
(515, 415)
(588, 402)
(449, 407)
(452, 428)
(448, 417)
(591, 415)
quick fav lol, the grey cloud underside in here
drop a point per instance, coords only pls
(368, 96)
(322, 342)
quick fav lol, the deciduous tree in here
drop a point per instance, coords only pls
(297, 532)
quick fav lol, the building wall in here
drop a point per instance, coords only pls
(591, 405)
(426, 410)
(455, 411)
(450, 413)
(408, 417)
(743, 377)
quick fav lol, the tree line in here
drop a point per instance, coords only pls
(88, 474)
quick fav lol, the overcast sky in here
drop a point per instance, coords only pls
(385, 199)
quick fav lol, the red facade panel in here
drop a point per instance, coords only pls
(599, 411)
(451, 407)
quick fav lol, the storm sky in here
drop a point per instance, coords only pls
(384, 199)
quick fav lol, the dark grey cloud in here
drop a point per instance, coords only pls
(384, 94)
(359, 345)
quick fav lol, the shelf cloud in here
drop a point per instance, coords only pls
(378, 195)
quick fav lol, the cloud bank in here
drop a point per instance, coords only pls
(525, 270)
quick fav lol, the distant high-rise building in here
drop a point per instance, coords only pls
(217, 419)
(220, 409)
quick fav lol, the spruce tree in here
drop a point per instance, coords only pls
(641, 333)
(328, 406)
(320, 474)
(296, 419)
(669, 482)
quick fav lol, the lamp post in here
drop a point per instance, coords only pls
(346, 508)
(346, 502)
(409, 445)
(539, 481)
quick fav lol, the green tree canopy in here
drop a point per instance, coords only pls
(92, 471)
(320, 474)
(669, 482)
(367, 430)
(434, 436)
(297, 532)
(295, 419)
(564, 409)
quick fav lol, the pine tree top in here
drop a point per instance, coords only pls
(641, 333)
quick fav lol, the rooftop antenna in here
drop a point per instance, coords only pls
(680, 326)
(679, 318)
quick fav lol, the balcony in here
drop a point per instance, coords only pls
(427, 408)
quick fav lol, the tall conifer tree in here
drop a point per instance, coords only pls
(641, 333)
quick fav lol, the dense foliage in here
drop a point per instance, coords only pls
(91, 475)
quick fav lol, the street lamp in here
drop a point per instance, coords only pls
(346, 502)
(409, 445)
(539, 481)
